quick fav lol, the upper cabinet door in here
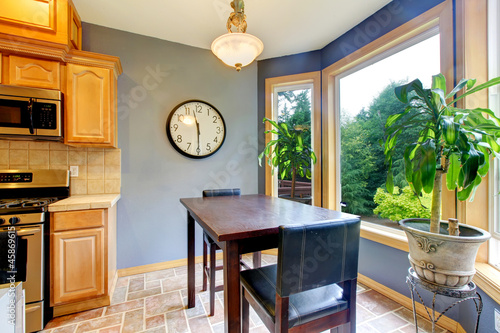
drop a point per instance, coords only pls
(32, 72)
(41, 20)
(90, 106)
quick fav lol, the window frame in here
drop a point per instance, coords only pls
(438, 18)
(469, 27)
(494, 101)
(272, 85)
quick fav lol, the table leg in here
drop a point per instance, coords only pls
(232, 287)
(190, 273)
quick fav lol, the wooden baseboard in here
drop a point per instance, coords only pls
(94, 303)
(273, 252)
(160, 265)
(444, 322)
(171, 264)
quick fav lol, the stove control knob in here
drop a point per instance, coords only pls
(14, 220)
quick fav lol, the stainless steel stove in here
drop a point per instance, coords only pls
(24, 199)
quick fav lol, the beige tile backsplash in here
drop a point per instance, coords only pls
(99, 170)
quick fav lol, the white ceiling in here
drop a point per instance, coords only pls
(285, 26)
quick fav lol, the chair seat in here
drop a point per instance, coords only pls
(303, 307)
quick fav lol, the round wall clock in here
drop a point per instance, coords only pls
(196, 129)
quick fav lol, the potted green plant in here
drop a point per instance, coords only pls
(288, 152)
(455, 142)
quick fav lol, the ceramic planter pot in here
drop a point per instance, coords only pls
(440, 258)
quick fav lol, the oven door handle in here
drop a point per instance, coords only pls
(27, 232)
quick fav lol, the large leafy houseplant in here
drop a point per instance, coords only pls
(452, 141)
(288, 152)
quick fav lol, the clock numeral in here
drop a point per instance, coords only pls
(208, 147)
(189, 145)
(188, 111)
(198, 108)
(180, 117)
(179, 138)
(215, 119)
(216, 140)
(208, 111)
(176, 127)
(218, 130)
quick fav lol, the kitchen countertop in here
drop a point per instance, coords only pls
(81, 202)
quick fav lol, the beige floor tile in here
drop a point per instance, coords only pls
(75, 318)
(133, 321)
(98, 323)
(155, 321)
(163, 303)
(177, 321)
(376, 303)
(156, 302)
(123, 307)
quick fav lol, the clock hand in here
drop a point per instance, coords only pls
(198, 130)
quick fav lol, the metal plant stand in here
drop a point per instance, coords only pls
(462, 294)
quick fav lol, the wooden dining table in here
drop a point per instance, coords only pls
(244, 224)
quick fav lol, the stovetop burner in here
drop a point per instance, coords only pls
(26, 202)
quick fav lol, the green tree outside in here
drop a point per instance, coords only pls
(363, 170)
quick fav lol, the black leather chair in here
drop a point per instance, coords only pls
(212, 247)
(313, 286)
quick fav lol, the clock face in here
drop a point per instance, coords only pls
(196, 129)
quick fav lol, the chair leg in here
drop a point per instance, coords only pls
(212, 279)
(205, 266)
(281, 314)
(342, 328)
(245, 312)
(256, 259)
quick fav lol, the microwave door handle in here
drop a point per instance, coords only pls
(30, 113)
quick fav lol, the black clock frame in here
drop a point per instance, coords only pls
(171, 140)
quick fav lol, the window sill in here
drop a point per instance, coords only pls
(487, 278)
(384, 235)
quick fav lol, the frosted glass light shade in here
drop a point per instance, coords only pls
(237, 49)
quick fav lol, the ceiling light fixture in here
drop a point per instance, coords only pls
(237, 49)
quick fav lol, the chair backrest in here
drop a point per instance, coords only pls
(221, 192)
(315, 255)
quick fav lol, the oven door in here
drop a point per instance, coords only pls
(15, 117)
(30, 265)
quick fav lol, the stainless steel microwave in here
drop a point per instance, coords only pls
(30, 112)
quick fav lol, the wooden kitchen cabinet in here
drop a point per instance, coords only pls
(83, 259)
(90, 106)
(54, 22)
(78, 265)
(33, 72)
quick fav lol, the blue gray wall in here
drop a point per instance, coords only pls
(157, 76)
(381, 263)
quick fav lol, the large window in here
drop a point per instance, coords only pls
(294, 104)
(296, 101)
(366, 100)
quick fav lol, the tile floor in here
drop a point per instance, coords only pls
(156, 302)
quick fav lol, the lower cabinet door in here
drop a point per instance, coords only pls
(78, 265)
